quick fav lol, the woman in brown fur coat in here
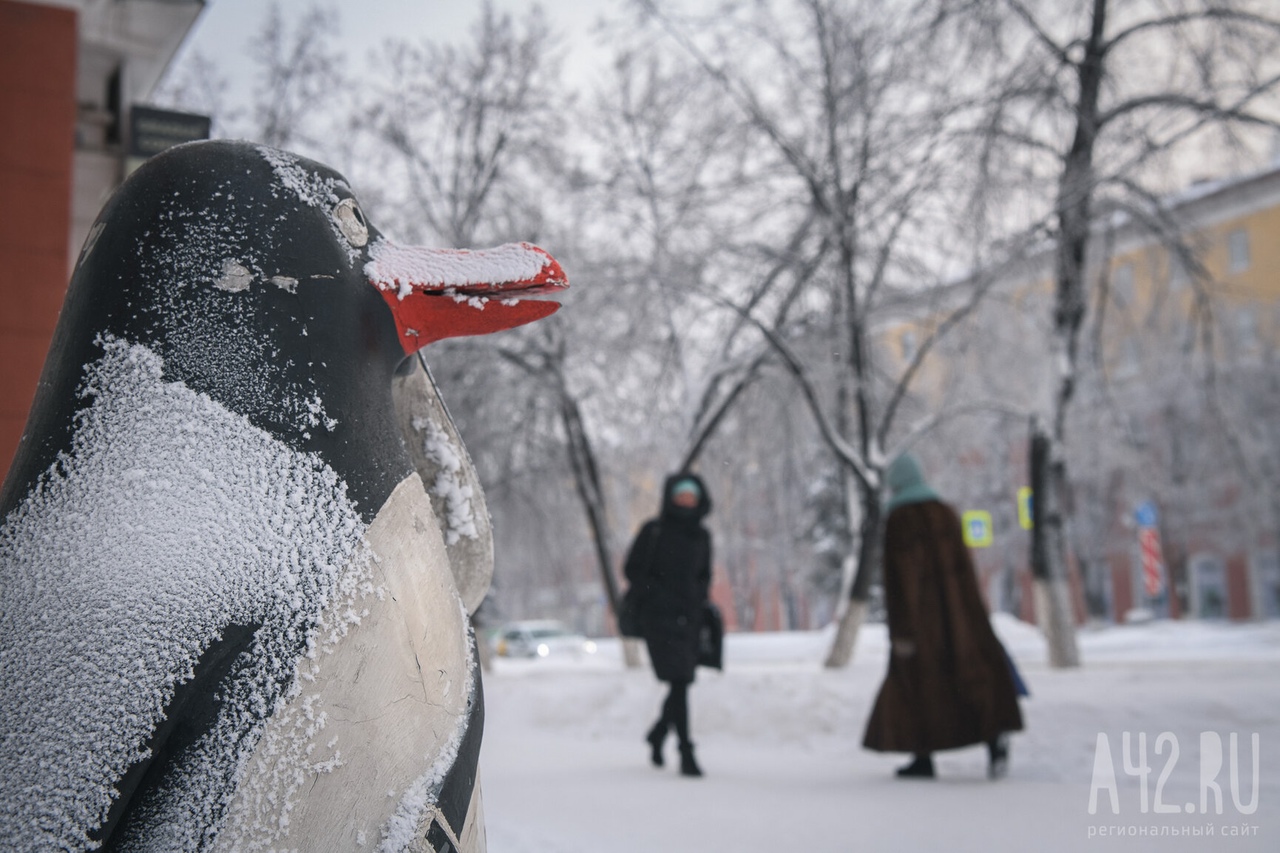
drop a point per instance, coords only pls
(949, 683)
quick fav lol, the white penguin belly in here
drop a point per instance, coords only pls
(168, 520)
(350, 762)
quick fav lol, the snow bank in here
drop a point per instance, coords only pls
(565, 764)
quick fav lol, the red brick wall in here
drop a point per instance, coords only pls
(722, 595)
(37, 144)
(1121, 586)
(1239, 598)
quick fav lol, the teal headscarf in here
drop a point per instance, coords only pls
(907, 484)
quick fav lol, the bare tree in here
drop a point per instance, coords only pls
(298, 83)
(301, 75)
(466, 130)
(546, 364)
(684, 210)
(1088, 95)
(664, 171)
(196, 84)
(862, 130)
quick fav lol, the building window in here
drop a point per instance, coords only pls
(1265, 567)
(1122, 285)
(1238, 250)
(1246, 331)
(1178, 276)
(908, 341)
(1130, 358)
(1207, 576)
(1136, 430)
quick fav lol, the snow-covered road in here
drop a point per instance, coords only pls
(564, 765)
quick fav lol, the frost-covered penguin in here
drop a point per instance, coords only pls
(229, 618)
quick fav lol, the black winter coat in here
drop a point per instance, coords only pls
(669, 567)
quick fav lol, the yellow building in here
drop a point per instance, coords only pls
(1178, 406)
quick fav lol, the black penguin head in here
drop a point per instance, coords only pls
(255, 276)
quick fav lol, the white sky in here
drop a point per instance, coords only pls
(226, 27)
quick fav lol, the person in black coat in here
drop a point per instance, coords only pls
(669, 568)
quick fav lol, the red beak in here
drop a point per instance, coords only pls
(449, 293)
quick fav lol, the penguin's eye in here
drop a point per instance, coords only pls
(351, 222)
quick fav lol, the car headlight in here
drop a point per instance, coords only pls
(543, 650)
(590, 647)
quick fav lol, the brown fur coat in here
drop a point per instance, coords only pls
(954, 688)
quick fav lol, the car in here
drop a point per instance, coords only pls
(542, 638)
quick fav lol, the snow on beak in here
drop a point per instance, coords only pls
(449, 293)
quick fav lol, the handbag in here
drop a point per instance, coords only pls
(629, 614)
(1019, 686)
(711, 638)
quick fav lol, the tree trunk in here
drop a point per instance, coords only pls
(1048, 552)
(1073, 208)
(868, 563)
(633, 652)
(586, 478)
(846, 639)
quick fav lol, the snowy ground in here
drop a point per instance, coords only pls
(564, 765)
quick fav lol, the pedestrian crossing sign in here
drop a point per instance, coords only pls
(1024, 508)
(978, 532)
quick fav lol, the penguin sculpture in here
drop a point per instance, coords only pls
(233, 616)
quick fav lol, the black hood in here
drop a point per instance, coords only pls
(673, 512)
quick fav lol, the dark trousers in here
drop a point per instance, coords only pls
(675, 710)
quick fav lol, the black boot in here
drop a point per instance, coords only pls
(998, 753)
(688, 766)
(921, 768)
(656, 736)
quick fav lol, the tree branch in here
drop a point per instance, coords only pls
(1210, 110)
(1058, 51)
(844, 451)
(1211, 14)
